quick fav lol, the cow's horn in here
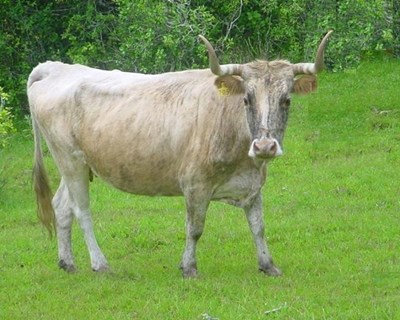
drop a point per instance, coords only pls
(313, 68)
(216, 68)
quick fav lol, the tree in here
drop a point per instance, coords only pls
(396, 27)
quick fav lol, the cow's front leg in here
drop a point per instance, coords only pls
(254, 214)
(196, 207)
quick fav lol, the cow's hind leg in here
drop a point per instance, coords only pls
(78, 186)
(64, 217)
(255, 219)
(197, 202)
(72, 199)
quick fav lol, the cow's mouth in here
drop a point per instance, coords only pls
(265, 148)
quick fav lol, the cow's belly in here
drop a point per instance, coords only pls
(144, 178)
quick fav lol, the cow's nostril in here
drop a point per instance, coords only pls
(273, 147)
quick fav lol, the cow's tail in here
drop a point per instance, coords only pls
(41, 185)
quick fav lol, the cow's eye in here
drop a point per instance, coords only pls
(246, 101)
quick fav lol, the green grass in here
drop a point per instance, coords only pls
(332, 207)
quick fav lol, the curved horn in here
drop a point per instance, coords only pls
(313, 68)
(216, 68)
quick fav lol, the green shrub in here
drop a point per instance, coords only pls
(163, 38)
(158, 36)
(6, 119)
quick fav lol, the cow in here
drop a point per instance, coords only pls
(205, 134)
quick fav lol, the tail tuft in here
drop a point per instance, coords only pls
(41, 185)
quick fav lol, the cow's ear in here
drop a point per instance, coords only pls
(305, 84)
(229, 85)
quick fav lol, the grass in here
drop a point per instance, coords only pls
(332, 206)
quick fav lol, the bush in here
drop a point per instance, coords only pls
(293, 28)
(163, 38)
(158, 36)
(6, 119)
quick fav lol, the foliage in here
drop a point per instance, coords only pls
(6, 119)
(28, 34)
(88, 33)
(331, 210)
(163, 38)
(361, 29)
(161, 35)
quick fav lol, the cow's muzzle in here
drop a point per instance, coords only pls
(265, 148)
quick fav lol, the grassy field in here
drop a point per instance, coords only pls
(332, 210)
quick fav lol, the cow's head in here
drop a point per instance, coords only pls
(266, 87)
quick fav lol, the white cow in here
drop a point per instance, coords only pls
(204, 134)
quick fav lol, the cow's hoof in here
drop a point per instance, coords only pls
(271, 271)
(189, 272)
(70, 268)
(102, 269)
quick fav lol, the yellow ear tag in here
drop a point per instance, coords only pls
(223, 89)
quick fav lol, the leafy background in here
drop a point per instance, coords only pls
(157, 36)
